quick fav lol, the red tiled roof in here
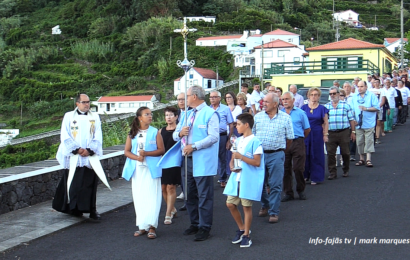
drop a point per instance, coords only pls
(391, 40)
(346, 44)
(276, 44)
(206, 73)
(227, 37)
(125, 98)
(256, 35)
(280, 32)
(305, 54)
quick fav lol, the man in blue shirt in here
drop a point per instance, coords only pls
(296, 154)
(274, 129)
(199, 141)
(226, 120)
(365, 105)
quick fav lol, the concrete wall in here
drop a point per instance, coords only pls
(26, 189)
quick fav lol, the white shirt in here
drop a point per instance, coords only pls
(369, 85)
(249, 100)
(241, 144)
(379, 92)
(236, 112)
(257, 96)
(391, 93)
(405, 93)
(299, 102)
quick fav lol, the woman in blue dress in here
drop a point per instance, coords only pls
(314, 142)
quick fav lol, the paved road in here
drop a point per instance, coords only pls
(371, 203)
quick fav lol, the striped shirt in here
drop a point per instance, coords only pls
(273, 132)
(340, 116)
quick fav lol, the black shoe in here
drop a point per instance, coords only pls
(183, 208)
(302, 196)
(95, 216)
(191, 230)
(202, 235)
(76, 213)
(287, 198)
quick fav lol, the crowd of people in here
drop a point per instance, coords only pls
(256, 144)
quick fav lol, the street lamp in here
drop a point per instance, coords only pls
(186, 66)
(300, 31)
(311, 39)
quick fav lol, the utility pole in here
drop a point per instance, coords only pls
(375, 25)
(402, 34)
(217, 77)
(261, 78)
(333, 18)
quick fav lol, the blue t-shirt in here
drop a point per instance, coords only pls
(300, 121)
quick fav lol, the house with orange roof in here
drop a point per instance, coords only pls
(123, 104)
(394, 44)
(343, 60)
(205, 78)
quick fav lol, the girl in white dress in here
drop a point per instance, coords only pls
(146, 184)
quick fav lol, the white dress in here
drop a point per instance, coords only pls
(146, 193)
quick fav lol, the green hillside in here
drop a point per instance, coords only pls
(112, 47)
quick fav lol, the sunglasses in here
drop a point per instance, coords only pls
(333, 93)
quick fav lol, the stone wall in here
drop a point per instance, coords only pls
(25, 192)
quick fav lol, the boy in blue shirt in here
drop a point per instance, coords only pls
(245, 185)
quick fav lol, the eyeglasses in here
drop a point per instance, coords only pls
(241, 99)
(84, 102)
(331, 94)
(228, 97)
(181, 99)
(148, 114)
(342, 95)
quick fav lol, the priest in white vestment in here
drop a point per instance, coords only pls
(78, 153)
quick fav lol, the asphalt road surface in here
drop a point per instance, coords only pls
(353, 214)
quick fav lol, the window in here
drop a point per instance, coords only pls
(200, 43)
(112, 105)
(282, 53)
(342, 63)
(131, 104)
(267, 54)
(214, 42)
(296, 60)
(195, 82)
(123, 105)
(179, 85)
(102, 105)
(290, 40)
(247, 59)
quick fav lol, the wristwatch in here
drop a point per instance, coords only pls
(367, 108)
(354, 132)
(193, 147)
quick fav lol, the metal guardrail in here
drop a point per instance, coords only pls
(109, 120)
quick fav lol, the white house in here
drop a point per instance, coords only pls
(209, 19)
(394, 44)
(283, 35)
(217, 40)
(123, 104)
(205, 78)
(277, 51)
(348, 16)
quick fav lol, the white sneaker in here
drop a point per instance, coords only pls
(181, 196)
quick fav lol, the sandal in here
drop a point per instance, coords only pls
(139, 233)
(168, 220)
(360, 163)
(152, 235)
(369, 163)
(174, 213)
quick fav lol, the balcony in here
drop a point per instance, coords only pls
(324, 66)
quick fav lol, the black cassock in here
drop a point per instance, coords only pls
(83, 192)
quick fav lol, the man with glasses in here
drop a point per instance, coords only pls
(81, 144)
(274, 129)
(200, 145)
(341, 131)
(365, 106)
(225, 121)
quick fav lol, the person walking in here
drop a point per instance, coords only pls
(341, 127)
(143, 149)
(171, 177)
(81, 144)
(295, 157)
(274, 129)
(314, 142)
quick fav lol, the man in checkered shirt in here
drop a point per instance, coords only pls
(341, 121)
